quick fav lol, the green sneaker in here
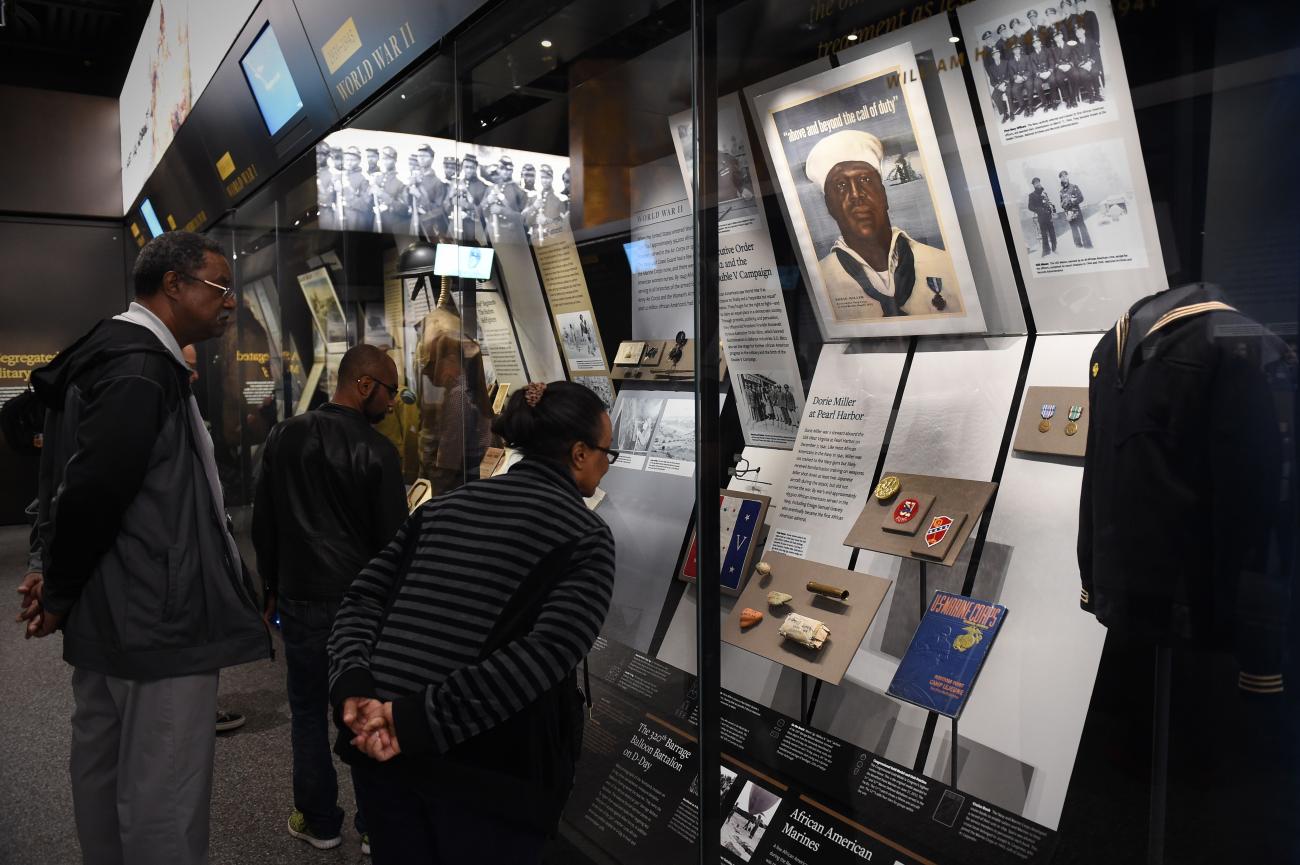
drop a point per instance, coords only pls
(299, 829)
(365, 843)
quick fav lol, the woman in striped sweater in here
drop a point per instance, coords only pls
(453, 656)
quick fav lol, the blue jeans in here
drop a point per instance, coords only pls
(408, 824)
(305, 626)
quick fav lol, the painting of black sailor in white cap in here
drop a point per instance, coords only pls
(863, 185)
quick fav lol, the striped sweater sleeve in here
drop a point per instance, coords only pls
(359, 617)
(478, 696)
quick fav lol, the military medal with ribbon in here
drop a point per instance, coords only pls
(1049, 409)
(936, 285)
(1076, 412)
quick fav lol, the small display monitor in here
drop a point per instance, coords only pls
(446, 260)
(476, 262)
(640, 257)
(470, 262)
(269, 79)
(151, 218)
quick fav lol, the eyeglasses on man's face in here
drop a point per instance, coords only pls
(226, 290)
(392, 388)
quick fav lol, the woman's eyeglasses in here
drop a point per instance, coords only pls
(609, 452)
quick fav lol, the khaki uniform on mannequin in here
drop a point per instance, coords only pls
(457, 431)
(447, 366)
(440, 328)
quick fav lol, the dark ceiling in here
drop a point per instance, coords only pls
(83, 46)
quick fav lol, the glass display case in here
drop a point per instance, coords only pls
(843, 268)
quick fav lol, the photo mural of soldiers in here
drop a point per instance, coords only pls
(475, 199)
(467, 197)
(326, 191)
(392, 203)
(427, 192)
(358, 207)
(547, 210)
(515, 197)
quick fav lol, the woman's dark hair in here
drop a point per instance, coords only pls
(566, 413)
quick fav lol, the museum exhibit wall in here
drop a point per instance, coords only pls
(50, 300)
(63, 154)
(558, 146)
(61, 240)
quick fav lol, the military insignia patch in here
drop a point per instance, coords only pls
(938, 530)
(906, 511)
(970, 637)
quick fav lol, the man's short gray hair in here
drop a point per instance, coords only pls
(181, 251)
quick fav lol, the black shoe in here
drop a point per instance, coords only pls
(227, 721)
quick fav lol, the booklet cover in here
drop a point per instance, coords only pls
(948, 649)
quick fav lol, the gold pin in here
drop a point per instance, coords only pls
(887, 488)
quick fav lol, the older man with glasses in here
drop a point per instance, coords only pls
(329, 497)
(138, 567)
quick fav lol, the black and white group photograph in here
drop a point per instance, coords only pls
(1077, 210)
(435, 189)
(772, 405)
(752, 814)
(1044, 61)
(580, 340)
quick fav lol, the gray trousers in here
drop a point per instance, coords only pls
(142, 768)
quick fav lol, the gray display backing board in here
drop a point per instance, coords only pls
(1054, 442)
(848, 620)
(950, 495)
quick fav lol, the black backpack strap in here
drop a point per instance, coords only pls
(586, 687)
(525, 605)
(403, 567)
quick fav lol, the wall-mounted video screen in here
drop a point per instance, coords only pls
(640, 257)
(151, 218)
(470, 262)
(269, 79)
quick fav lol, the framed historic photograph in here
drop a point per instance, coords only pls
(863, 188)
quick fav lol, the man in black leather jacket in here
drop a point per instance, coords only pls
(329, 497)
